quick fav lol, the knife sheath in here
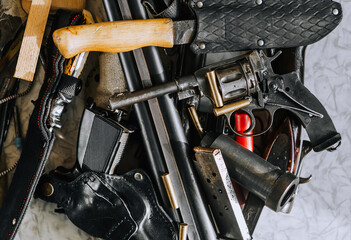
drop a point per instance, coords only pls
(40, 137)
(224, 25)
(220, 26)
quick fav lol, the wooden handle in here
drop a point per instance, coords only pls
(119, 36)
(33, 36)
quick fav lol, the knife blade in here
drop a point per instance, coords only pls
(123, 36)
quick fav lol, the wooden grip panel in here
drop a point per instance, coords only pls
(119, 36)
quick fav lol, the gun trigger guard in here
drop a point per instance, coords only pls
(252, 121)
(252, 125)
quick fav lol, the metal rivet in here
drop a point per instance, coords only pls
(138, 176)
(199, 4)
(260, 42)
(47, 189)
(14, 221)
(259, 2)
(202, 46)
(274, 86)
(335, 11)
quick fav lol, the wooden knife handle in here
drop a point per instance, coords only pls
(119, 36)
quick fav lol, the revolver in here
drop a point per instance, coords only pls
(248, 83)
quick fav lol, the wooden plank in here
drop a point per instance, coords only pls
(33, 36)
(74, 5)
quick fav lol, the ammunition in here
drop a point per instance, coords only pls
(217, 98)
(232, 107)
(196, 120)
(183, 231)
(170, 190)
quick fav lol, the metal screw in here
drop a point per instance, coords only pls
(260, 42)
(202, 46)
(138, 176)
(259, 2)
(199, 4)
(274, 86)
(14, 221)
(335, 11)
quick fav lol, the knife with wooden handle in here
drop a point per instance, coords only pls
(220, 27)
(123, 36)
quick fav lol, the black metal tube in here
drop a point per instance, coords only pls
(271, 184)
(177, 136)
(142, 112)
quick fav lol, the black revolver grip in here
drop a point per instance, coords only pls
(321, 130)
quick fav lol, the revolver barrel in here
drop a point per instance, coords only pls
(130, 98)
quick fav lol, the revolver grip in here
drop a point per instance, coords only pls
(321, 130)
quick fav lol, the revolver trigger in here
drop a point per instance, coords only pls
(252, 122)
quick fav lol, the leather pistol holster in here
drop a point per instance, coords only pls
(110, 206)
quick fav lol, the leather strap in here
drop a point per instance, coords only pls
(39, 138)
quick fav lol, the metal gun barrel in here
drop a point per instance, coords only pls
(130, 98)
(273, 185)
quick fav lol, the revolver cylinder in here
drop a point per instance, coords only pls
(271, 184)
(237, 80)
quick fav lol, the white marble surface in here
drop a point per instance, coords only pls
(322, 209)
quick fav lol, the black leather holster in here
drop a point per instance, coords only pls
(110, 206)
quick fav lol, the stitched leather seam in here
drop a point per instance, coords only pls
(159, 211)
(130, 231)
(41, 153)
(118, 224)
(149, 195)
(24, 200)
(132, 227)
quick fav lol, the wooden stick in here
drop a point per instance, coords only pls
(74, 5)
(119, 36)
(33, 36)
